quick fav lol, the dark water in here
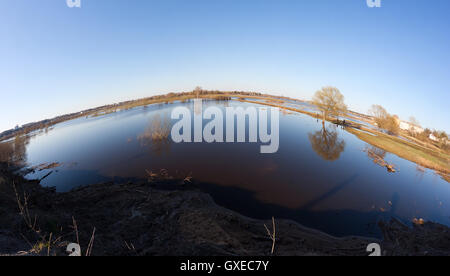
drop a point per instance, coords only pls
(320, 178)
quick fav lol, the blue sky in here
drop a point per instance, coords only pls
(55, 60)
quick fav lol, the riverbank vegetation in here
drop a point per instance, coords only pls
(428, 155)
(384, 120)
(330, 101)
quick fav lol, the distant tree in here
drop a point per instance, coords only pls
(391, 125)
(424, 135)
(378, 112)
(442, 139)
(384, 120)
(197, 91)
(413, 121)
(413, 125)
(443, 135)
(330, 101)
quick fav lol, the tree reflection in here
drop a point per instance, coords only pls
(420, 171)
(375, 153)
(378, 157)
(326, 143)
(14, 152)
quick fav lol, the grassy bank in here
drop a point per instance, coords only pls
(425, 157)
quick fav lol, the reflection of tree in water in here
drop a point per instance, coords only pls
(378, 155)
(327, 144)
(375, 153)
(420, 171)
(14, 152)
(156, 135)
(198, 106)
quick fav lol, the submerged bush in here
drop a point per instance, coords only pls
(158, 130)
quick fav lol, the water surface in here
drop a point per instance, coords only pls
(320, 177)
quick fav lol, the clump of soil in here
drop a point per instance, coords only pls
(164, 217)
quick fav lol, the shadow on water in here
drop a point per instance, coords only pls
(334, 222)
(330, 193)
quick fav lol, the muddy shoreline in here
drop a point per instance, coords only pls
(171, 217)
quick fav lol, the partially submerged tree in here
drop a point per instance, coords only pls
(330, 101)
(157, 134)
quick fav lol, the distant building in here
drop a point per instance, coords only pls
(433, 138)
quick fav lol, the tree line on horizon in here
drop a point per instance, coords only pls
(329, 100)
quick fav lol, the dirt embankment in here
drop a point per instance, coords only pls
(167, 218)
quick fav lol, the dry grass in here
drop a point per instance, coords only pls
(6, 152)
(22, 203)
(91, 241)
(406, 150)
(158, 130)
(46, 241)
(91, 244)
(272, 235)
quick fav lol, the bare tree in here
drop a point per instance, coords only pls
(197, 91)
(384, 120)
(378, 112)
(330, 101)
(413, 121)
